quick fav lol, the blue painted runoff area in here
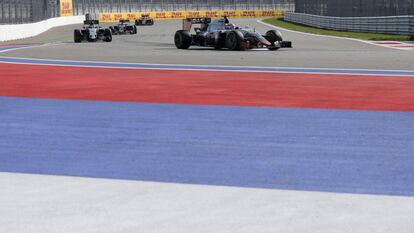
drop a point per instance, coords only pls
(369, 152)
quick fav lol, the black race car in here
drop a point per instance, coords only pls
(220, 33)
(92, 32)
(145, 20)
(123, 28)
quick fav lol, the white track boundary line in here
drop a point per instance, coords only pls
(335, 37)
(206, 68)
(187, 65)
(27, 47)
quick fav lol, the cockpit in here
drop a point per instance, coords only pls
(218, 24)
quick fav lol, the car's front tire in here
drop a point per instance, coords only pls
(77, 36)
(107, 35)
(273, 36)
(134, 29)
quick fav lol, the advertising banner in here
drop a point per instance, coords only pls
(170, 15)
(66, 8)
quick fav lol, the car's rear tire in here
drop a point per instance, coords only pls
(107, 35)
(77, 36)
(233, 40)
(182, 39)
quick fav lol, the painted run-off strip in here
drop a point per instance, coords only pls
(119, 65)
(261, 89)
(277, 148)
(394, 45)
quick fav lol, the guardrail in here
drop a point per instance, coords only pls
(27, 11)
(403, 25)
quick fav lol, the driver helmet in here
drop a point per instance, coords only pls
(230, 26)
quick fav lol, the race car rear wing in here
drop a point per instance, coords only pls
(188, 22)
(124, 20)
(90, 21)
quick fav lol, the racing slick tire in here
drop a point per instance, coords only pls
(77, 36)
(233, 40)
(107, 35)
(134, 29)
(150, 22)
(112, 29)
(182, 39)
(138, 22)
(272, 36)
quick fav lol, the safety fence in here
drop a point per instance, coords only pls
(387, 24)
(27, 11)
(168, 15)
(355, 8)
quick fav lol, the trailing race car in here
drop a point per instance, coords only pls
(144, 20)
(123, 28)
(92, 32)
(220, 33)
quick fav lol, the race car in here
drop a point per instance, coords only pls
(92, 32)
(123, 28)
(220, 33)
(145, 20)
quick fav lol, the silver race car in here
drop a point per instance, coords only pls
(92, 32)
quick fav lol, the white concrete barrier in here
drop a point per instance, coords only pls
(20, 31)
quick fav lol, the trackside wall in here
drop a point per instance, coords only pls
(20, 31)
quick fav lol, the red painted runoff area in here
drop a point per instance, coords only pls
(209, 87)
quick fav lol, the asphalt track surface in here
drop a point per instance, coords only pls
(205, 151)
(155, 45)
